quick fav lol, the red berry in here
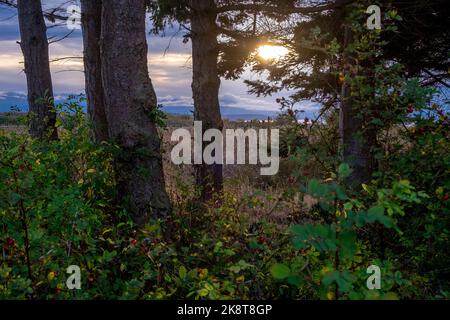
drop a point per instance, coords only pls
(446, 197)
(10, 242)
(134, 242)
(410, 108)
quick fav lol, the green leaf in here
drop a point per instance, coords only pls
(280, 271)
(203, 292)
(299, 243)
(376, 211)
(317, 189)
(347, 242)
(340, 193)
(321, 237)
(14, 198)
(295, 280)
(344, 280)
(182, 272)
(348, 206)
(253, 244)
(344, 170)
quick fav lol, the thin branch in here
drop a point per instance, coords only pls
(436, 78)
(279, 9)
(52, 16)
(64, 58)
(68, 70)
(62, 38)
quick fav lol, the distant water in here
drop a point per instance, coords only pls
(18, 101)
(230, 113)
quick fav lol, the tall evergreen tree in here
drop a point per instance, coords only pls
(130, 103)
(91, 24)
(223, 33)
(322, 62)
(34, 45)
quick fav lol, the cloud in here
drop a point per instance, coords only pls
(170, 101)
(229, 99)
(248, 102)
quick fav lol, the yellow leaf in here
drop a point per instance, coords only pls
(90, 193)
(51, 276)
(202, 273)
(365, 187)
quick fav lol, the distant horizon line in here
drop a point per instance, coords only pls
(11, 99)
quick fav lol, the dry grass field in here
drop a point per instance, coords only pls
(240, 181)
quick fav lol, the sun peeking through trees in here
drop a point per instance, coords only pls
(271, 52)
(352, 204)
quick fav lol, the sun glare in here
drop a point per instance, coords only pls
(268, 52)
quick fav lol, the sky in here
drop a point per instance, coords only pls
(169, 67)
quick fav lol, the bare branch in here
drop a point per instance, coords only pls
(51, 16)
(62, 38)
(64, 58)
(436, 78)
(254, 7)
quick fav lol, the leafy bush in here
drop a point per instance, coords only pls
(58, 208)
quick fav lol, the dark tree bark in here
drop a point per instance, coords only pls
(91, 24)
(129, 101)
(205, 86)
(34, 45)
(356, 137)
(356, 141)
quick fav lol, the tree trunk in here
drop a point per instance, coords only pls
(205, 87)
(91, 25)
(356, 138)
(34, 45)
(129, 103)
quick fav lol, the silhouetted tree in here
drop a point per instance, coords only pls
(223, 33)
(91, 25)
(421, 44)
(34, 45)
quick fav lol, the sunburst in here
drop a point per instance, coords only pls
(270, 52)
